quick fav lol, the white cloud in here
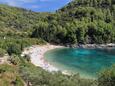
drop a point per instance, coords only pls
(27, 1)
(46, 0)
(11, 3)
(22, 2)
(43, 5)
(17, 2)
(35, 6)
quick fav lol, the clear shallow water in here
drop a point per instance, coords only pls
(86, 62)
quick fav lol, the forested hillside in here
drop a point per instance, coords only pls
(18, 21)
(19, 18)
(81, 21)
(89, 21)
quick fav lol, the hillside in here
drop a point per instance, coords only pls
(81, 21)
(97, 16)
(90, 10)
(13, 19)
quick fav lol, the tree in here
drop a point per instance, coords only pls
(108, 16)
(14, 49)
(91, 32)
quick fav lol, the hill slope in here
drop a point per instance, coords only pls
(19, 18)
(81, 21)
(93, 9)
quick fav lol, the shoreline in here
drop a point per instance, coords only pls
(93, 46)
(36, 54)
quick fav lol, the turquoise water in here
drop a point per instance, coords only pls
(86, 62)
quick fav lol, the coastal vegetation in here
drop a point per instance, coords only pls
(9, 76)
(79, 22)
(107, 77)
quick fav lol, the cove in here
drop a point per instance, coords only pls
(87, 62)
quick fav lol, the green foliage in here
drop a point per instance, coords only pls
(9, 76)
(15, 46)
(82, 21)
(14, 49)
(2, 52)
(14, 59)
(20, 19)
(107, 77)
(40, 77)
(14, 74)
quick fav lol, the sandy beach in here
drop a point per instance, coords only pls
(36, 53)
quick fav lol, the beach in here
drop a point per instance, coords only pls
(36, 54)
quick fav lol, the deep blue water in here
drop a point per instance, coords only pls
(86, 62)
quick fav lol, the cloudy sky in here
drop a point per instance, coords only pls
(37, 5)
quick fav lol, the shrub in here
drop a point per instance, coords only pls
(2, 52)
(14, 49)
(107, 77)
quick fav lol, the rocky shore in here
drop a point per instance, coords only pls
(92, 46)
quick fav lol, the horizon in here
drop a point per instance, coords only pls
(37, 5)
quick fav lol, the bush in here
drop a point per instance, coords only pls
(2, 52)
(107, 77)
(14, 49)
(9, 76)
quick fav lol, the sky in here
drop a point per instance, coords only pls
(37, 5)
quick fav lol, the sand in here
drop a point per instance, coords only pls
(36, 54)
